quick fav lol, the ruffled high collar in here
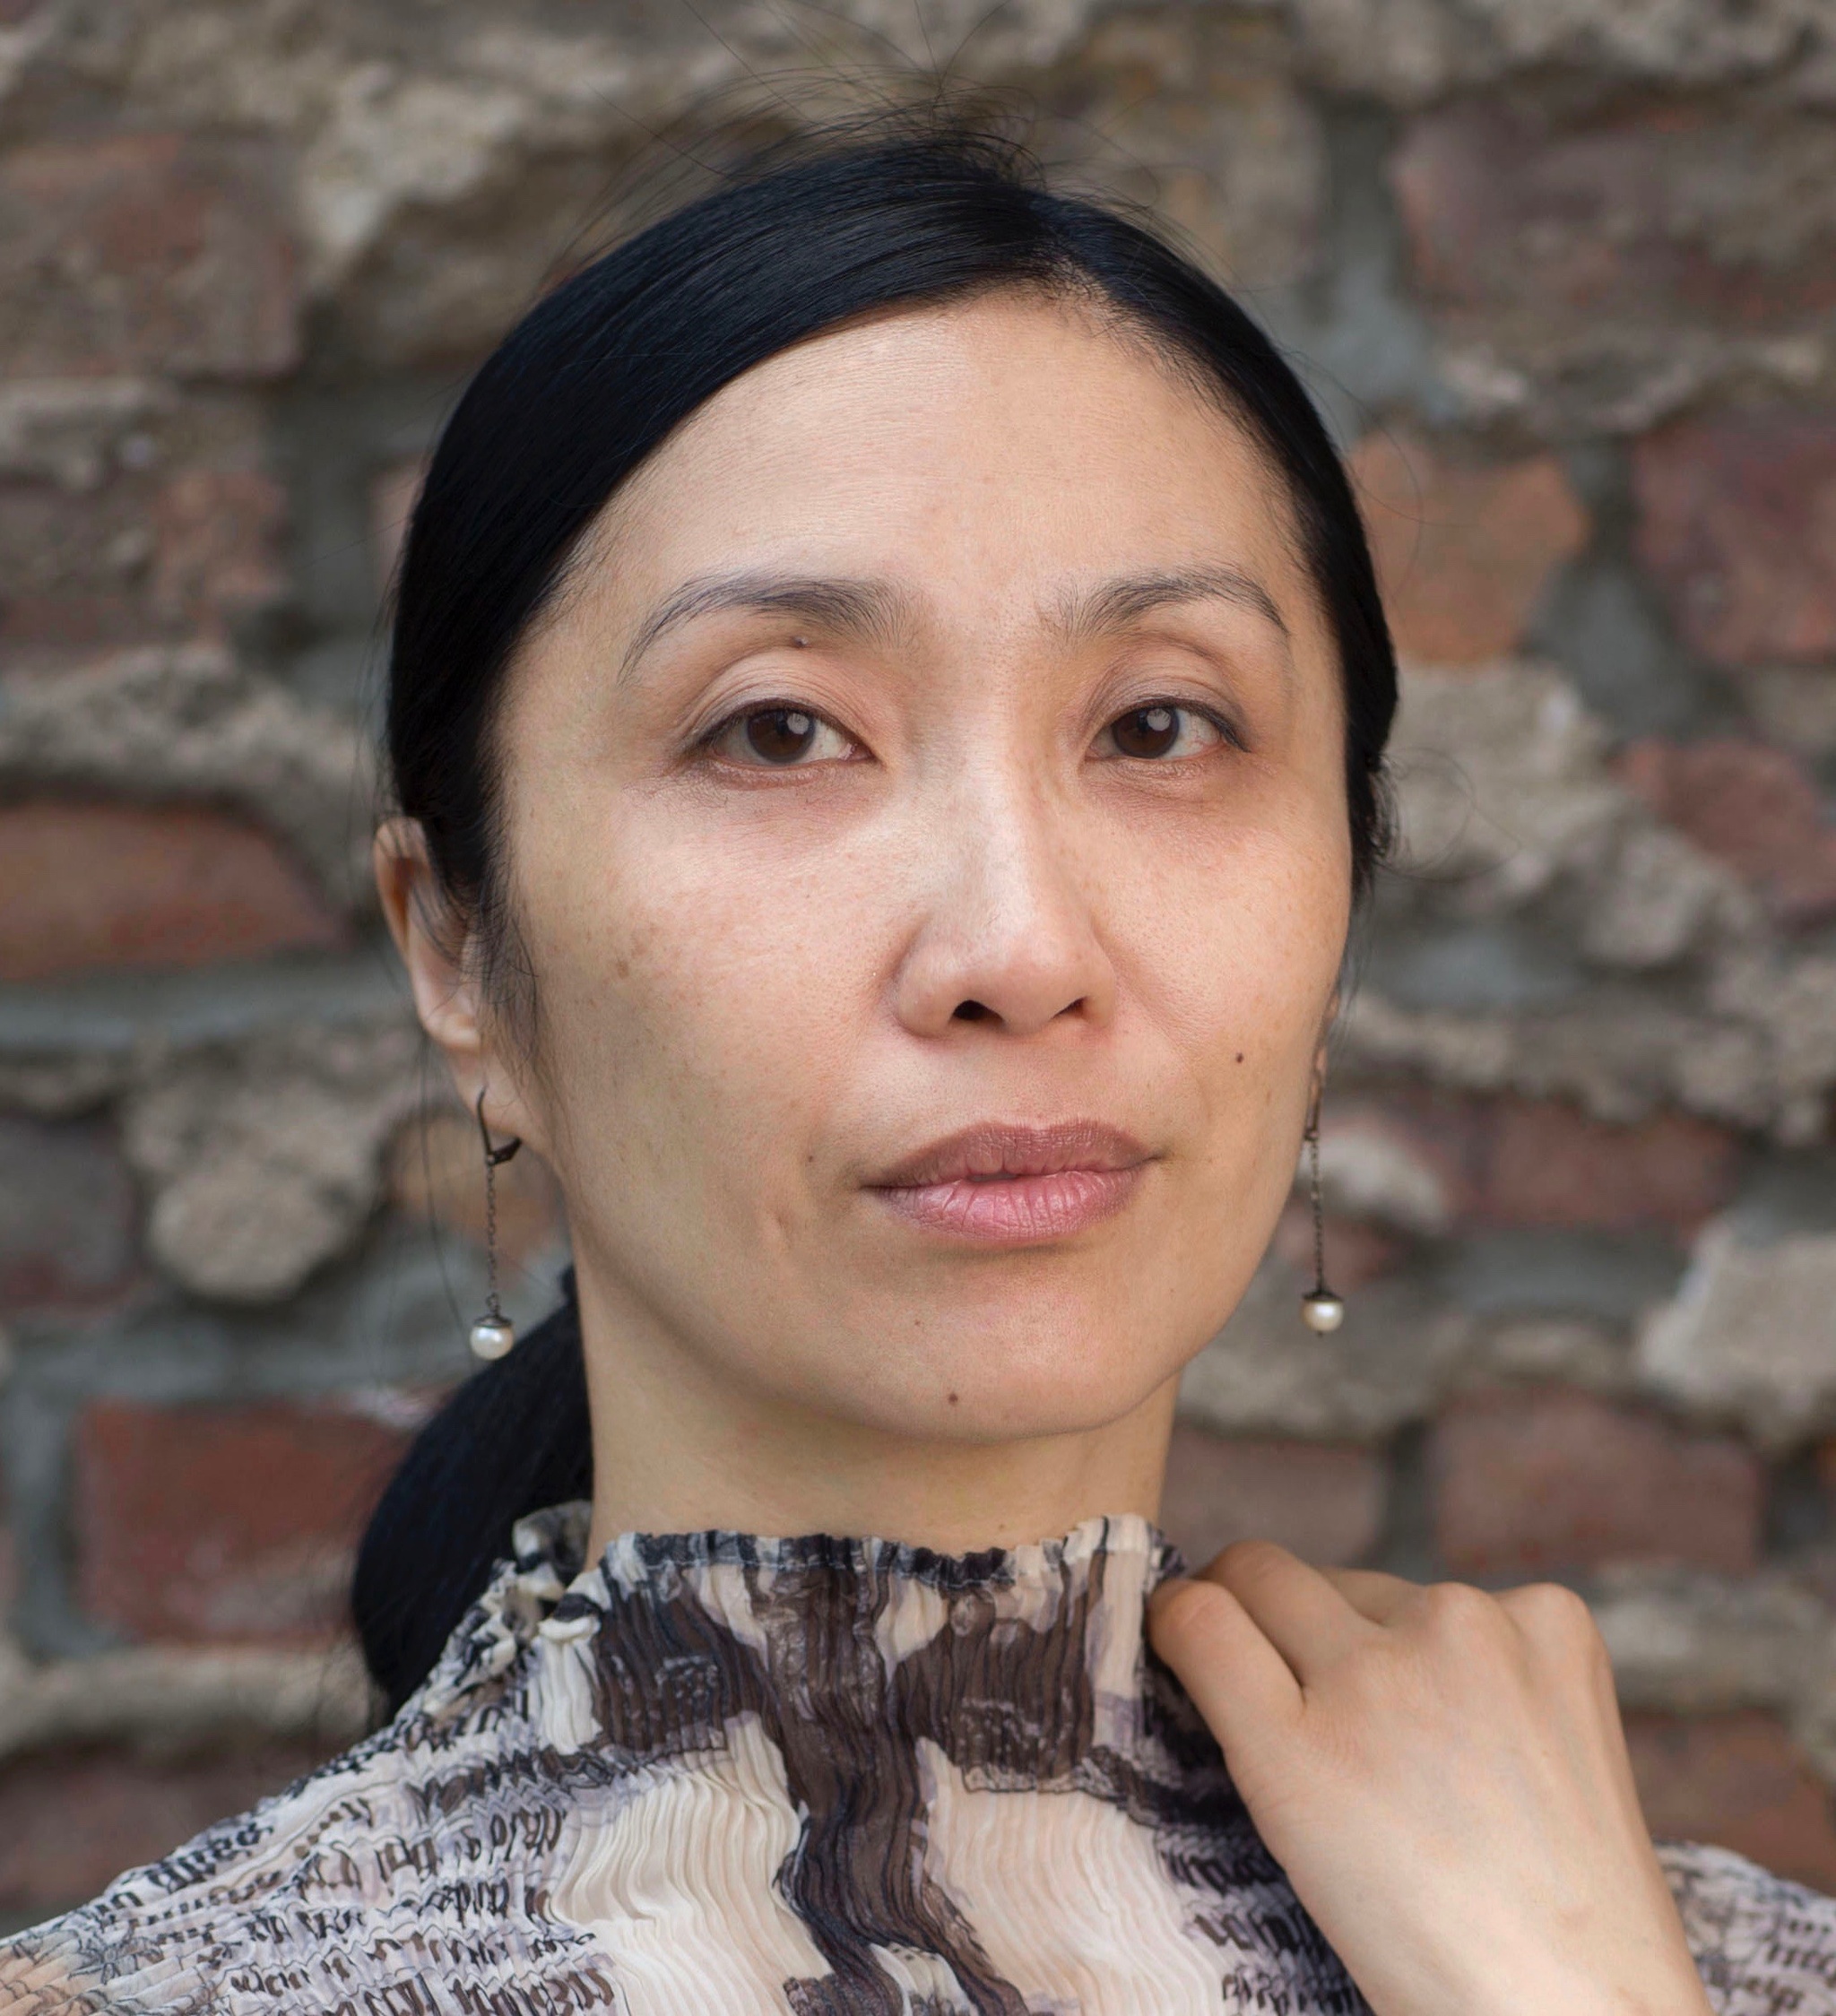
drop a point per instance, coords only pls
(1022, 1662)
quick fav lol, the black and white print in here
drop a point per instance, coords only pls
(711, 1772)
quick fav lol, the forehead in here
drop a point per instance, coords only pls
(977, 448)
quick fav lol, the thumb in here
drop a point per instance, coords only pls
(1239, 1683)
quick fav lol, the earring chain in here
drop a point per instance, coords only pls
(493, 1156)
(1318, 1210)
(493, 1308)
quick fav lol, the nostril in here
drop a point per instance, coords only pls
(970, 1011)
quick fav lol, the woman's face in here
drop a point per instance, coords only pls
(925, 824)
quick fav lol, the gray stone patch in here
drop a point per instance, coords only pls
(1751, 1335)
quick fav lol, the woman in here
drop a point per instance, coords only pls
(887, 708)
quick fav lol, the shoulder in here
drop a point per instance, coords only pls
(1762, 1945)
(170, 1934)
(396, 1871)
(403, 1875)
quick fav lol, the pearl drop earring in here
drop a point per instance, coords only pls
(493, 1334)
(1321, 1310)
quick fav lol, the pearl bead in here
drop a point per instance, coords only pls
(1323, 1311)
(492, 1336)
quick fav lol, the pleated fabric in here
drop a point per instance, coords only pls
(716, 1775)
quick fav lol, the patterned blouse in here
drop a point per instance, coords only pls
(713, 1775)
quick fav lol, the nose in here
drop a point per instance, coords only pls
(1007, 935)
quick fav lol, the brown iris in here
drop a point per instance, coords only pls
(779, 734)
(1147, 730)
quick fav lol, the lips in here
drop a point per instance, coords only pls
(1007, 1185)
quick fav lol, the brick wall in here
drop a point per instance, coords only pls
(1565, 276)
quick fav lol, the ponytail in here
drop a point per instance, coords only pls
(513, 1439)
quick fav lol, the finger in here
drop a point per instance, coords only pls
(1238, 1682)
(1379, 1597)
(1307, 1621)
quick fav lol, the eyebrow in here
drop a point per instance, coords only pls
(879, 611)
(872, 610)
(1115, 604)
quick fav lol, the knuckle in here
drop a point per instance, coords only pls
(1557, 1619)
(1458, 1609)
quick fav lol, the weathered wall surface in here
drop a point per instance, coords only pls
(1564, 271)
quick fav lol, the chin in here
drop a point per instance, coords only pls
(1004, 1389)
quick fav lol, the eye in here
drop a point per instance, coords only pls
(778, 738)
(1161, 729)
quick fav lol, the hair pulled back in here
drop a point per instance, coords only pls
(591, 380)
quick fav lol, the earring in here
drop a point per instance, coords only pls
(493, 1333)
(1321, 1310)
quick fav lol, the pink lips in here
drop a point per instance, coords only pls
(1002, 1185)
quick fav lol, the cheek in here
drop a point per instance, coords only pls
(1244, 967)
(704, 997)
(1241, 948)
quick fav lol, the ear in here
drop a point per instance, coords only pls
(1335, 1001)
(434, 945)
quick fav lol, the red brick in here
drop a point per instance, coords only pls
(68, 1216)
(131, 562)
(1737, 1781)
(1755, 807)
(94, 885)
(1646, 217)
(1464, 548)
(1737, 524)
(73, 568)
(145, 252)
(1549, 1164)
(72, 1821)
(1543, 1482)
(436, 1174)
(224, 1523)
(1324, 1501)
(216, 538)
(1521, 1162)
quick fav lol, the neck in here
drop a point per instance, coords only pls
(679, 1447)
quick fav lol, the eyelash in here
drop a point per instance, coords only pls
(706, 743)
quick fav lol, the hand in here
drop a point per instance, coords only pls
(1443, 1776)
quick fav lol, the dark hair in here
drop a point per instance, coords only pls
(591, 381)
